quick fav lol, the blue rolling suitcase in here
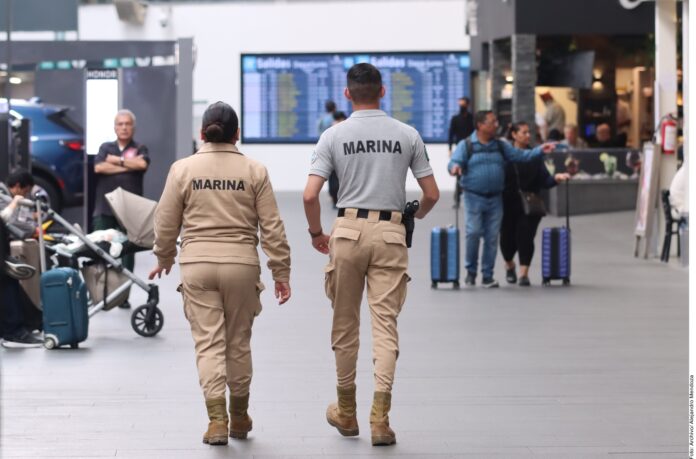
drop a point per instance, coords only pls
(64, 297)
(444, 253)
(555, 251)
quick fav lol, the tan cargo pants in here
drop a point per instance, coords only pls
(221, 301)
(366, 249)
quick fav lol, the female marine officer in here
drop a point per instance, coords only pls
(222, 199)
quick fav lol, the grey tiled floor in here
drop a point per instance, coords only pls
(598, 369)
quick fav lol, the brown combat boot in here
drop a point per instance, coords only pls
(382, 434)
(240, 421)
(342, 415)
(217, 427)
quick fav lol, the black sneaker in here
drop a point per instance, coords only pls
(489, 282)
(125, 305)
(524, 281)
(23, 339)
(470, 279)
(511, 276)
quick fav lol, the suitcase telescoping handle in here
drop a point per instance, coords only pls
(567, 193)
(457, 200)
(42, 246)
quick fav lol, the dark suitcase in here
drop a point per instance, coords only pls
(555, 251)
(64, 297)
(444, 253)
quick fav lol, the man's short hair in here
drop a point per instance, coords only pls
(481, 115)
(364, 83)
(125, 112)
(20, 177)
(466, 99)
(330, 106)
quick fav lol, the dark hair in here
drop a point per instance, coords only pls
(554, 135)
(339, 116)
(515, 127)
(364, 83)
(20, 177)
(480, 117)
(220, 123)
(468, 101)
(330, 106)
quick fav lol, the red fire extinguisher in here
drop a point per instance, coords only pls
(668, 135)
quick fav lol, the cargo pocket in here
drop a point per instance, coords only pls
(345, 233)
(180, 289)
(405, 279)
(392, 237)
(259, 288)
(329, 282)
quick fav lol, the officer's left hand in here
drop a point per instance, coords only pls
(158, 272)
(321, 243)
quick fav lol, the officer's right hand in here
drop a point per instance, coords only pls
(282, 291)
(321, 243)
(157, 271)
(456, 170)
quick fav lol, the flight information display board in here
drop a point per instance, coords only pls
(283, 95)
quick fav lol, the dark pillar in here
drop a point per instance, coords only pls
(525, 77)
(499, 54)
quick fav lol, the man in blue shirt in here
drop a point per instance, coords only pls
(480, 160)
(327, 119)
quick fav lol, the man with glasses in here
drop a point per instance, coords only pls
(479, 161)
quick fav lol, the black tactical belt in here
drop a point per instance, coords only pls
(385, 215)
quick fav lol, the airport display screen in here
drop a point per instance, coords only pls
(283, 95)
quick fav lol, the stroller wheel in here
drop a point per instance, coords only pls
(145, 322)
(50, 343)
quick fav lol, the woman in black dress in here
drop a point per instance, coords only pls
(518, 230)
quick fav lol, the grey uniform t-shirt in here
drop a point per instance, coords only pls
(371, 154)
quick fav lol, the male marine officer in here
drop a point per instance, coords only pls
(371, 153)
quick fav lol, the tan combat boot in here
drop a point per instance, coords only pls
(379, 420)
(217, 427)
(341, 415)
(240, 421)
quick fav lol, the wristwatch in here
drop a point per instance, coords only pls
(315, 234)
(121, 161)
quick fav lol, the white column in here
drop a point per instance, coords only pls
(688, 77)
(665, 58)
(665, 96)
(688, 80)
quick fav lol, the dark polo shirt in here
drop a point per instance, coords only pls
(130, 181)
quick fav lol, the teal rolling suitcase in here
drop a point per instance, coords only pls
(65, 309)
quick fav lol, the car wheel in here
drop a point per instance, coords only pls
(43, 187)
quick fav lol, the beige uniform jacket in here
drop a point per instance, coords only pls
(221, 198)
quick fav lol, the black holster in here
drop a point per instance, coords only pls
(409, 220)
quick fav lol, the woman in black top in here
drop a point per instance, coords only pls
(518, 230)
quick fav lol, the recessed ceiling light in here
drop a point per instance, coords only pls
(15, 80)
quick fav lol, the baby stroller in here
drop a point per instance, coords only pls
(135, 214)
